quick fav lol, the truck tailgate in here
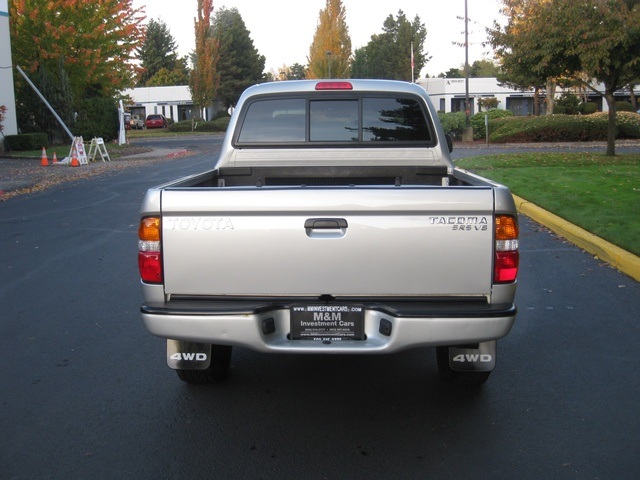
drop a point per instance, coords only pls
(328, 241)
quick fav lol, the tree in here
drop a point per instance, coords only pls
(330, 51)
(452, 73)
(590, 39)
(531, 48)
(204, 79)
(478, 69)
(388, 55)
(179, 75)
(158, 52)
(296, 72)
(608, 46)
(239, 65)
(73, 51)
(95, 40)
(483, 69)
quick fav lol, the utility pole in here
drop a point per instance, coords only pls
(468, 133)
(467, 107)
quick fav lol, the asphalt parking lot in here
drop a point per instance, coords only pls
(86, 393)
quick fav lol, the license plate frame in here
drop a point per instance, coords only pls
(327, 323)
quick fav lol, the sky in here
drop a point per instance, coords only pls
(282, 30)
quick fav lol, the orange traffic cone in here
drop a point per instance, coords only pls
(55, 158)
(74, 159)
(44, 160)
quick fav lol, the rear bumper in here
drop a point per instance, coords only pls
(389, 327)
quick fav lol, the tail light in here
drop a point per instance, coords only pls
(149, 250)
(507, 258)
(334, 86)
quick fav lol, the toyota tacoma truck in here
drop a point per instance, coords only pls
(333, 222)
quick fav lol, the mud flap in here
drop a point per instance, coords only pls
(481, 359)
(188, 355)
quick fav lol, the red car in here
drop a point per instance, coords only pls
(156, 121)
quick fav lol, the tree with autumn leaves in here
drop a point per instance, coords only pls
(545, 41)
(204, 79)
(330, 52)
(74, 50)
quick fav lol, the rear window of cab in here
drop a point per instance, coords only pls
(368, 120)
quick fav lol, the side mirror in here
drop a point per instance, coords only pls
(449, 142)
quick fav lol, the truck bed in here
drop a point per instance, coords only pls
(322, 176)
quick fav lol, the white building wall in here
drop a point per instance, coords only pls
(173, 102)
(7, 94)
(447, 94)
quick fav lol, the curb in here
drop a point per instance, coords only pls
(618, 258)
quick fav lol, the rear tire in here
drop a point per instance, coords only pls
(217, 370)
(461, 378)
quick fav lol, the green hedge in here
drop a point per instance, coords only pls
(26, 141)
(454, 123)
(563, 128)
(217, 125)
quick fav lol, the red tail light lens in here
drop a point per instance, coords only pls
(507, 258)
(150, 267)
(506, 267)
(149, 248)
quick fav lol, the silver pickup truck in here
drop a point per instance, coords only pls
(334, 222)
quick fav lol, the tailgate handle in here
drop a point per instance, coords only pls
(325, 223)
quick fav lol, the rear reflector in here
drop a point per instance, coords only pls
(334, 86)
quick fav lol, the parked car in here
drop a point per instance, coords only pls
(156, 121)
(136, 122)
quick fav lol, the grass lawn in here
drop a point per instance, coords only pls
(598, 193)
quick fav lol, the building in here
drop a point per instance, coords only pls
(448, 95)
(7, 93)
(172, 102)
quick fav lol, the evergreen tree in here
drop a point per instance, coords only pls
(159, 51)
(240, 65)
(388, 55)
(330, 51)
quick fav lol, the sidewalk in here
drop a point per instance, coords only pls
(25, 174)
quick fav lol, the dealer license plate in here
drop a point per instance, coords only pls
(327, 322)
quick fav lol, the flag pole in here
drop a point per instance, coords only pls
(412, 64)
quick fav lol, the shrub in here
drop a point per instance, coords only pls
(567, 104)
(221, 123)
(453, 123)
(477, 121)
(624, 107)
(26, 141)
(217, 125)
(97, 117)
(562, 128)
(588, 108)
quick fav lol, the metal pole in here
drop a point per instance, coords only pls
(24, 75)
(467, 107)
